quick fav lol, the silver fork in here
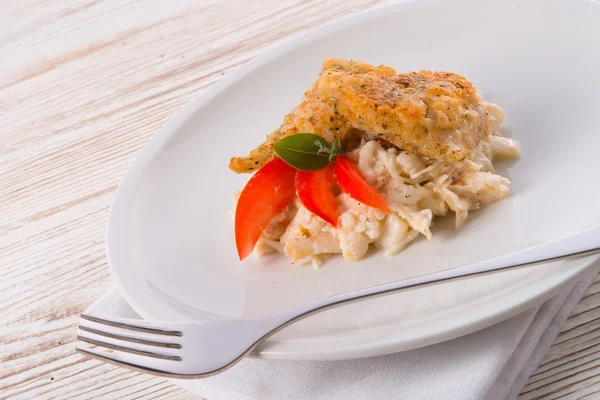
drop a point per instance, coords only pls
(204, 348)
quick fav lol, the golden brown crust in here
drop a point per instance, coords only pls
(439, 115)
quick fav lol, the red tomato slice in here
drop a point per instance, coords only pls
(314, 191)
(267, 193)
(352, 183)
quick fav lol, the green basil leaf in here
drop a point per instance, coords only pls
(304, 151)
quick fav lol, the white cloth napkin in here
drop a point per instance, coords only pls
(493, 363)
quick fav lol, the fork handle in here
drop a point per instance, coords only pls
(580, 244)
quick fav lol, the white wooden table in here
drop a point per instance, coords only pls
(83, 85)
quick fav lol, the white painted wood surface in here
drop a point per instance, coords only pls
(83, 85)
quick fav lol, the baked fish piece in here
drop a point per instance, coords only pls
(437, 115)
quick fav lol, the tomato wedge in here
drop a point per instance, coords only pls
(267, 193)
(315, 193)
(352, 183)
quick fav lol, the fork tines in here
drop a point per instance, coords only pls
(135, 337)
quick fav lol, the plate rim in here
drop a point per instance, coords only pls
(438, 332)
(276, 348)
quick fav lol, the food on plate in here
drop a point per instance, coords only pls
(370, 156)
(438, 115)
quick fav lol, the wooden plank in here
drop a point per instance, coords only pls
(83, 85)
(571, 369)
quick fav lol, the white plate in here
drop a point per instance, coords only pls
(171, 245)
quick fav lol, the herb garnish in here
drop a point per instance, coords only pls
(307, 151)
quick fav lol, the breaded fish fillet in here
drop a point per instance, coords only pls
(438, 115)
